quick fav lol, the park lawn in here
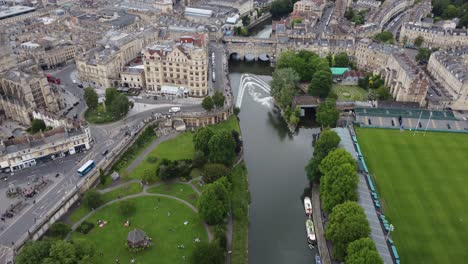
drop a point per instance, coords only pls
(181, 190)
(152, 216)
(350, 93)
(99, 116)
(177, 148)
(422, 181)
(131, 188)
(240, 195)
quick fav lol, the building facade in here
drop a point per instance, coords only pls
(182, 64)
(407, 82)
(22, 92)
(46, 53)
(434, 37)
(27, 151)
(372, 56)
(449, 68)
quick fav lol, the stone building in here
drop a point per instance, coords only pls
(182, 64)
(449, 68)
(372, 56)
(434, 36)
(407, 82)
(48, 52)
(6, 59)
(26, 151)
(133, 77)
(103, 64)
(312, 8)
(23, 90)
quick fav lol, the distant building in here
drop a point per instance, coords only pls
(180, 64)
(450, 69)
(434, 36)
(373, 56)
(26, 151)
(311, 8)
(133, 77)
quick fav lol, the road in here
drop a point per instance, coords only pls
(219, 67)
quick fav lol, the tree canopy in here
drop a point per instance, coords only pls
(418, 41)
(327, 141)
(218, 99)
(336, 158)
(208, 103)
(55, 251)
(117, 103)
(37, 125)
(321, 83)
(280, 8)
(214, 171)
(207, 253)
(341, 60)
(347, 223)
(201, 138)
(214, 202)
(222, 147)
(327, 115)
(385, 37)
(363, 251)
(338, 185)
(91, 98)
(283, 86)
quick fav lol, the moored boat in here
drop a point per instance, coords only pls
(310, 231)
(307, 206)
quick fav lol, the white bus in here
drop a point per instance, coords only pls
(87, 167)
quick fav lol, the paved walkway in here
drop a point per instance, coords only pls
(110, 189)
(148, 150)
(320, 230)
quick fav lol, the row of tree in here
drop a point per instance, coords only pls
(215, 101)
(48, 251)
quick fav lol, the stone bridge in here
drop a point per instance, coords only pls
(248, 48)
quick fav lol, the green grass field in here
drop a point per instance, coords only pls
(151, 216)
(350, 93)
(183, 191)
(422, 182)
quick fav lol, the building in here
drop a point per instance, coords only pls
(311, 8)
(23, 90)
(26, 151)
(149, 5)
(181, 64)
(133, 77)
(48, 52)
(449, 68)
(6, 59)
(372, 56)
(407, 82)
(434, 36)
(351, 77)
(13, 11)
(103, 64)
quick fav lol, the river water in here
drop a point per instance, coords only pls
(275, 160)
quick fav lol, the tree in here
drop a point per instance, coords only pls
(363, 251)
(62, 252)
(347, 223)
(207, 253)
(327, 141)
(214, 171)
(236, 137)
(321, 83)
(111, 95)
(341, 60)
(245, 21)
(222, 147)
(199, 159)
(327, 115)
(149, 176)
(91, 98)
(338, 186)
(280, 8)
(37, 125)
(127, 208)
(102, 177)
(244, 32)
(119, 106)
(383, 93)
(450, 12)
(418, 41)
(213, 203)
(92, 199)
(59, 230)
(218, 99)
(283, 86)
(384, 37)
(208, 103)
(34, 252)
(336, 158)
(202, 138)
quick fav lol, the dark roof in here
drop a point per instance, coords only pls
(353, 73)
(136, 236)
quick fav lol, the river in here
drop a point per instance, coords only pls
(275, 160)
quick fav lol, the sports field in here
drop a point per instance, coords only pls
(423, 184)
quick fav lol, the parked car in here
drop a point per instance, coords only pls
(174, 109)
(80, 86)
(105, 152)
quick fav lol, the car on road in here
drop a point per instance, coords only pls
(105, 152)
(80, 86)
(174, 109)
(73, 81)
(76, 103)
(75, 116)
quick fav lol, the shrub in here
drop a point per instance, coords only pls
(58, 229)
(152, 159)
(212, 172)
(92, 199)
(85, 227)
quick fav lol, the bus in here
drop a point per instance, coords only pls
(87, 167)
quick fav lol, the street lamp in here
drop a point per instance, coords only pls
(391, 228)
